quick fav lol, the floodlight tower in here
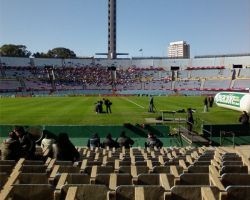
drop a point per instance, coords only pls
(112, 29)
(112, 54)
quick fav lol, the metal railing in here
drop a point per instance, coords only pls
(186, 130)
(223, 135)
(210, 132)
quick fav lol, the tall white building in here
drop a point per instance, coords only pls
(179, 49)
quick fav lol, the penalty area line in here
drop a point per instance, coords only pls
(133, 102)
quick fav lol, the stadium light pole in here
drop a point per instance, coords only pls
(112, 29)
(112, 53)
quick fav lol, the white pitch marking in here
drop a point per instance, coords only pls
(133, 102)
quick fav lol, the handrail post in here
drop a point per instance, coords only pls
(220, 138)
(211, 128)
(202, 125)
(233, 139)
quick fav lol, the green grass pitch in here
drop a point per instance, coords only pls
(80, 110)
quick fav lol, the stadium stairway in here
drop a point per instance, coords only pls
(136, 129)
(156, 131)
(193, 138)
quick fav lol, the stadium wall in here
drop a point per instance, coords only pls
(79, 135)
(228, 62)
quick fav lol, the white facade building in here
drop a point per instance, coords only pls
(179, 49)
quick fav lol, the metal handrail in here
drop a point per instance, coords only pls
(180, 126)
(206, 131)
(210, 135)
(179, 132)
(224, 133)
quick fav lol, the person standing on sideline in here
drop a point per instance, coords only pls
(108, 104)
(151, 104)
(211, 101)
(190, 120)
(205, 104)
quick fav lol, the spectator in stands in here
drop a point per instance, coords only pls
(153, 141)
(205, 104)
(64, 150)
(190, 120)
(151, 104)
(48, 140)
(11, 148)
(94, 141)
(109, 142)
(244, 118)
(125, 141)
(28, 145)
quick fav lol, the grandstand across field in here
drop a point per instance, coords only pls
(135, 76)
(59, 95)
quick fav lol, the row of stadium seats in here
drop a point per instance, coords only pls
(13, 85)
(136, 173)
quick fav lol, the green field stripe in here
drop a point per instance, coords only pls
(80, 110)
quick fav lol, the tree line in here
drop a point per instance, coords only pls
(12, 50)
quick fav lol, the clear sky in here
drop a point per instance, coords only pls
(209, 26)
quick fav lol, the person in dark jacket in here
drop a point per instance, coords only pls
(205, 104)
(151, 104)
(64, 150)
(109, 142)
(107, 104)
(28, 145)
(190, 120)
(94, 141)
(211, 101)
(153, 141)
(11, 148)
(244, 118)
(125, 141)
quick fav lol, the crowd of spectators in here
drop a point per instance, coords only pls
(21, 144)
(99, 77)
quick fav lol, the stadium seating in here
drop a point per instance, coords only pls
(29, 76)
(217, 84)
(136, 173)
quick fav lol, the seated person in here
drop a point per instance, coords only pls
(64, 150)
(28, 145)
(109, 142)
(94, 141)
(11, 148)
(47, 141)
(153, 141)
(124, 141)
